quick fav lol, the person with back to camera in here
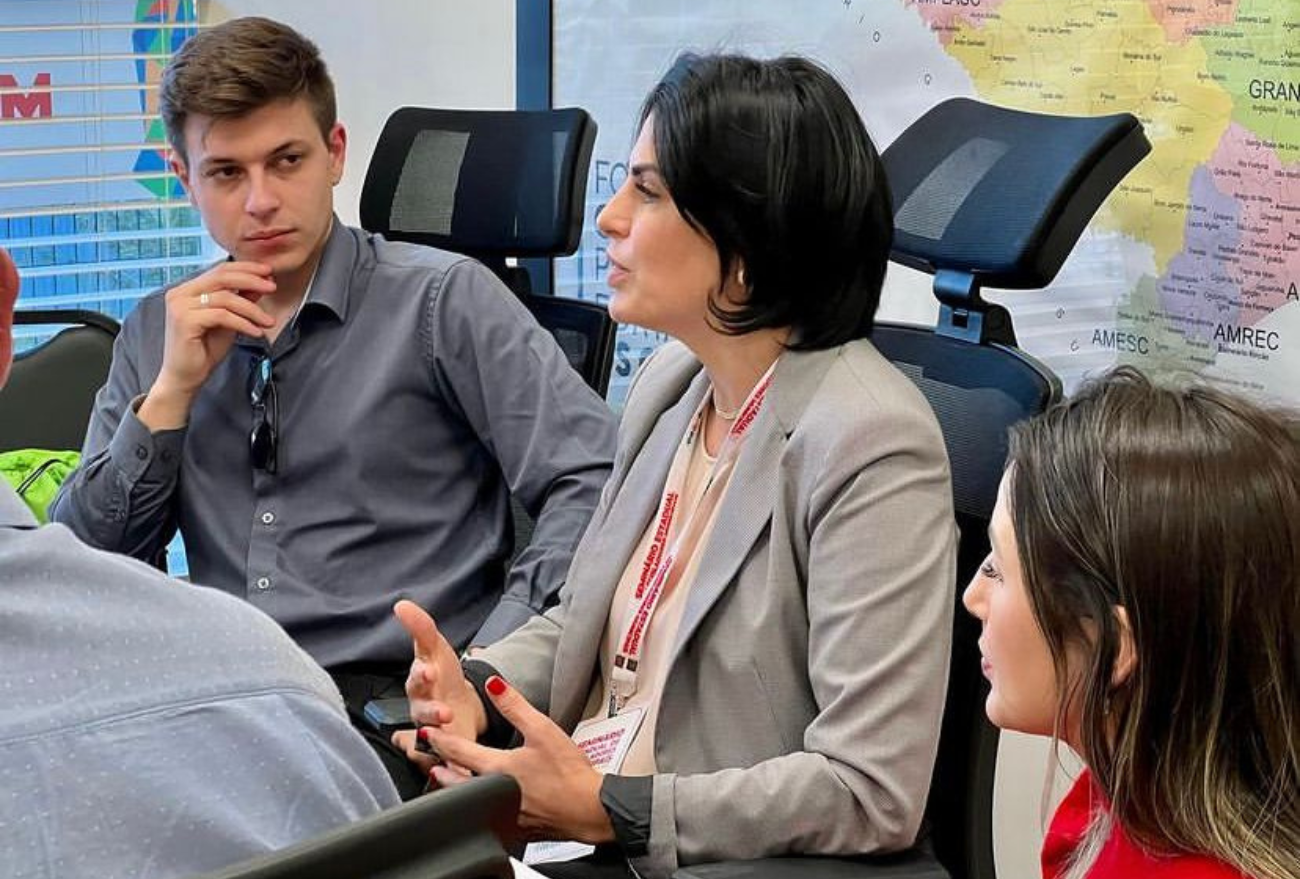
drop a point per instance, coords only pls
(130, 744)
(1142, 605)
(332, 420)
(760, 610)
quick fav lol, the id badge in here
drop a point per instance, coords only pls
(605, 742)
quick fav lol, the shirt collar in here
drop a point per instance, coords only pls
(330, 285)
(13, 512)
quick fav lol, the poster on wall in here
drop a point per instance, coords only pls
(72, 84)
(88, 208)
(1191, 266)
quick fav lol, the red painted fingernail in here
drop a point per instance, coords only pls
(495, 685)
(422, 734)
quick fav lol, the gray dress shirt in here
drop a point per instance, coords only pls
(415, 394)
(152, 729)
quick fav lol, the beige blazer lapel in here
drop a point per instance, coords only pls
(655, 395)
(594, 578)
(751, 491)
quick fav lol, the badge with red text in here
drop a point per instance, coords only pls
(605, 742)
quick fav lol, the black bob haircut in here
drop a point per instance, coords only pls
(771, 162)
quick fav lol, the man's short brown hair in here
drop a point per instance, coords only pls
(240, 66)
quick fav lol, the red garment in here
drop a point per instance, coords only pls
(1119, 858)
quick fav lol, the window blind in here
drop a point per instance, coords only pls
(88, 209)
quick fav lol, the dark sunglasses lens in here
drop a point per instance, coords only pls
(261, 393)
(262, 444)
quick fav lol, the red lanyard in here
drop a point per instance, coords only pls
(660, 559)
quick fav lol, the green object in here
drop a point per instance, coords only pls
(36, 475)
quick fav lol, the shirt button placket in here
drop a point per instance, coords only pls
(262, 571)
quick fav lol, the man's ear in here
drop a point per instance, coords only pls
(337, 142)
(1126, 658)
(182, 173)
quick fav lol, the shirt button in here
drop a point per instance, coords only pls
(263, 582)
(141, 452)
(268, 517)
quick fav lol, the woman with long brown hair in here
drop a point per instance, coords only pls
(1142, 604)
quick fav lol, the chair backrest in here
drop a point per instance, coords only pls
(456, 833)
(585, 332)
(50, 394)
(489, 183)
(985, 195)
(977, 393)
(496, 184)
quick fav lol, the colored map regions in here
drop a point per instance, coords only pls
(1241, 259)
(1216, 84)
(945, 17)
(1106, 57)
(1256, 59)
(1198, 292)
(1184, 19)
(1265, 264)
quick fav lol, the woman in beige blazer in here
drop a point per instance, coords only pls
(753, 640)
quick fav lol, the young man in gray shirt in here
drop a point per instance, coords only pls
(396, 396)
(152, 729)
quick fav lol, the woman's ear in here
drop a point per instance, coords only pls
(735, 285)
(1126, 658)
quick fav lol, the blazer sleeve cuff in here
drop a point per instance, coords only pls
(628, 800)
(500, 732)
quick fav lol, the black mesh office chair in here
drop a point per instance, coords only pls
(986, 197)
(51, 390)
(496, 185)
(585, 332)
(457, 833)
(983, 196)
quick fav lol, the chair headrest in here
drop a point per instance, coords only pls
(1003, 194)
(491, 183)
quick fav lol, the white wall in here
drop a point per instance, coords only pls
(1026, 765)
(386, 54)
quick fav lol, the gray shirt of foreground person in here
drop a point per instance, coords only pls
(152, 729)
(415, 394)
